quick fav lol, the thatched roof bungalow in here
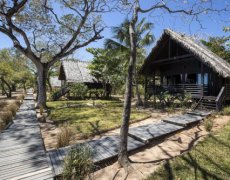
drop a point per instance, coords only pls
(74, 71)
(178, 63)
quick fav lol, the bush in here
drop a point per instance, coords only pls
(64, 137)
(13, 108)
(79, 90)
(54, 94)
(96, 92)
(226, 111)
(208, 124)
(21, 97)
(6, 116)
(78, 163)
(3, 104)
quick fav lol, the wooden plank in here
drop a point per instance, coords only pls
(200, 113)
(183, 120)
(148, 132)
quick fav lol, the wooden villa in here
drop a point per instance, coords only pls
(178, 63)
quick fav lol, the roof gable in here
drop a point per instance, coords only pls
(203, 54)
(77, 71)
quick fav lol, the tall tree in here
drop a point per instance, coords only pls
(144, 38)
(46, 31)
(107, 67)
(192, 9)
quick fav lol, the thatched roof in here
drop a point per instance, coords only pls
(77, 71)
(203, 54)
(55, 82)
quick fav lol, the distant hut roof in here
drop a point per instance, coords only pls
(77, 71)
(209, 58)
(55, 82)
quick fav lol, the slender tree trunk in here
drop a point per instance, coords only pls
(42, 71)
(3, 88)
(49, 84)
(13, 87)
(9, 94)
(123, 159)
(139, 101)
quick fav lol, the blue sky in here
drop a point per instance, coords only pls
(212, 25)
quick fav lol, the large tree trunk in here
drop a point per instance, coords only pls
(123, 159)
(42, 71)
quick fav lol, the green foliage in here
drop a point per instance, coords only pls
(78, 163)
(96, 92)
(79, 90)
(220, 46)
(54, 94)
(208, 124)
(226, 111)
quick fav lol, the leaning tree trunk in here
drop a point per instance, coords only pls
(42, 71)
(123, 159)
(8, 94)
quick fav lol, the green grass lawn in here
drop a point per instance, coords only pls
(87, 119)
(210, 159)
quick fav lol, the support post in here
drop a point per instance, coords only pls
(145, 94)
(154, 90)
(202, 79)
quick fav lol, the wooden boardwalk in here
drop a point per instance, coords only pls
(102, 149)
(183, 120)
(107, 147)
(147, 133)
(22, 151)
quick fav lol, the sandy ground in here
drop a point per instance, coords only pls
(50, 130)
(147, 160)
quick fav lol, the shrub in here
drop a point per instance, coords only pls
(6, 116)
(78, 163)
(54, 94)
(64, 137)
(96, 92)
(2, 125)
(17, 102)
(79, 90)
(21, 97)
(13, 108)
(208, 124)
(226, 111)
(3, 104)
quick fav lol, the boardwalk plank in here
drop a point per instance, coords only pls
(149, 132)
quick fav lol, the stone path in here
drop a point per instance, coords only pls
(22, 151)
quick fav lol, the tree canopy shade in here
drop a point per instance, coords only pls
(44, 35)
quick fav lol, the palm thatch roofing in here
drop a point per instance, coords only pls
(199, 51)
(76, 71)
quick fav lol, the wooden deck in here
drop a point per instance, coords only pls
(107, 147)
(22, 151)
